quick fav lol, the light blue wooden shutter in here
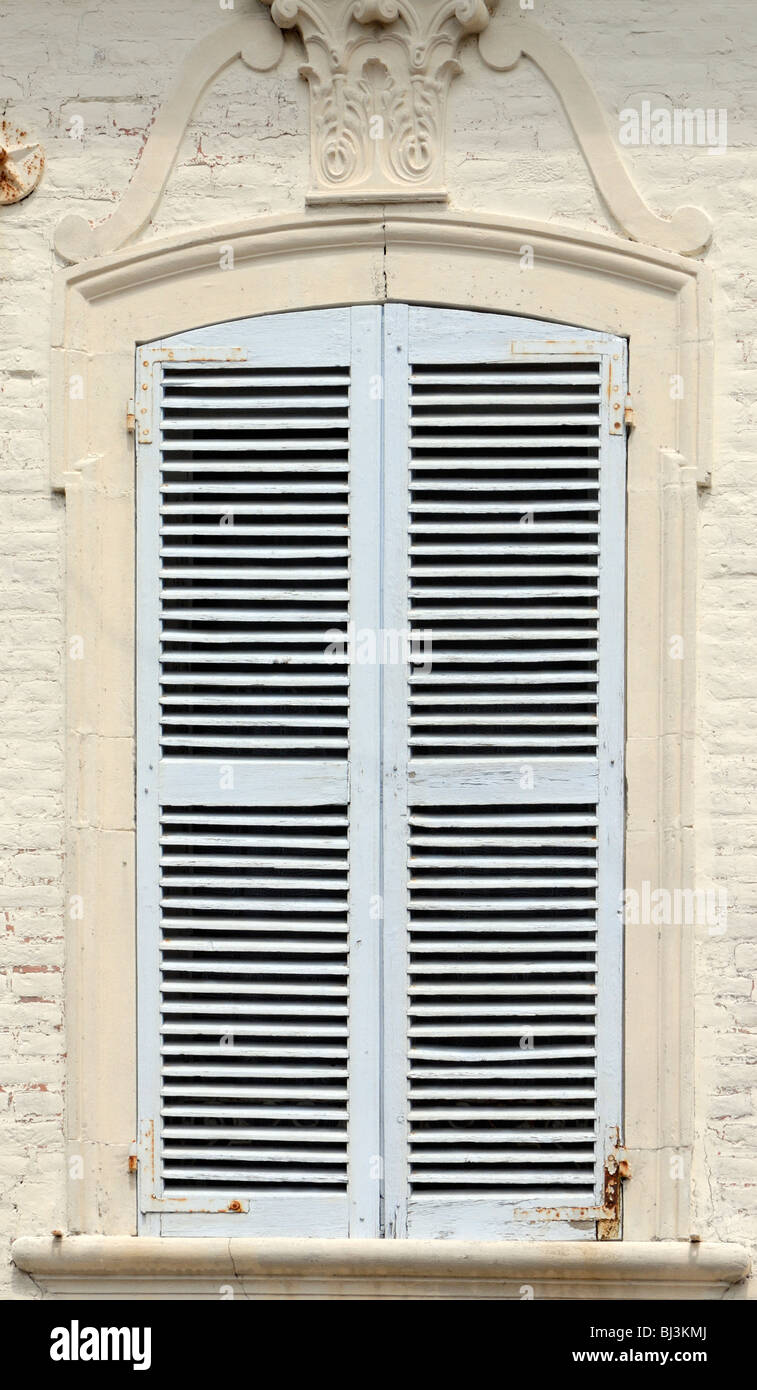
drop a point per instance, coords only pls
(347, 866)
(258, 481)
(503, 800)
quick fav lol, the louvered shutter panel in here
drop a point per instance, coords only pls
(347, 866)
(503, 775)
(257, 852)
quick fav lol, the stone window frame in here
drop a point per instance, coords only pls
(661, 302)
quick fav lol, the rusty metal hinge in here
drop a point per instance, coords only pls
(131, 419)
(629, 419)
(151, 1200)
(616, 1170)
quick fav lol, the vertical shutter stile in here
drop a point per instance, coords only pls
(248, 839)
(503, 853)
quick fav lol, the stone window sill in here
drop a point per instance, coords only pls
(148, 1267)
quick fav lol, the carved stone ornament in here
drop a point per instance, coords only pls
(21, 163)
(379, 72)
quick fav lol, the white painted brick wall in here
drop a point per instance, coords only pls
(245, 154)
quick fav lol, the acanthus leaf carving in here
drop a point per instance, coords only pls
(379, 72)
